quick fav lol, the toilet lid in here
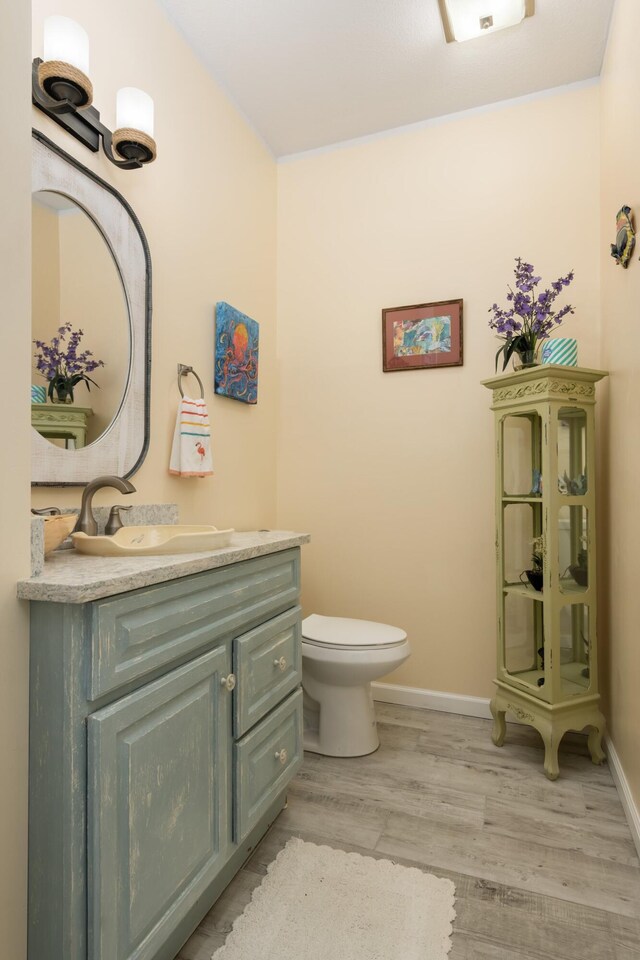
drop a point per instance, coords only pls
(343, 632)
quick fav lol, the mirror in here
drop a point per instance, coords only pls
(79, 316)
(91, 273)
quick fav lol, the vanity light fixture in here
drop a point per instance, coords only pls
(61, 88)
(133, 137)
(466, 19)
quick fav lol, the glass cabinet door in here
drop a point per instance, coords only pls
(573, 548)
(521, 523)
(521, 455)
(522, 610)
(523, 638)
(575, 648)
(572, 451)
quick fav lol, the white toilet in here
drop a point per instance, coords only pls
(340, 658)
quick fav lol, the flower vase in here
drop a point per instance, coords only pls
(61, 394)
(526, 358)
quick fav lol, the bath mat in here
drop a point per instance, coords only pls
(318, 903)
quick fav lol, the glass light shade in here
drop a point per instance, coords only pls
(66, 40)
(134, 109)
(465, 16)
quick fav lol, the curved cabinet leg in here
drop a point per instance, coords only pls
(499, 724)
(594, 740)
(551, 744)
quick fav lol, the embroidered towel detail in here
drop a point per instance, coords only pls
(191, 449)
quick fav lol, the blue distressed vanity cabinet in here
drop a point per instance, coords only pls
(166, 724)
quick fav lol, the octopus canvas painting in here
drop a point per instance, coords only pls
(236, 354)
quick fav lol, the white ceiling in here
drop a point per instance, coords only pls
(308, 73)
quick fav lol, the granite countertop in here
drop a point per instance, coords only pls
(72, 577)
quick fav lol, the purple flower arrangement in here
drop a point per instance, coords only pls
(530, 316)
(60, 363)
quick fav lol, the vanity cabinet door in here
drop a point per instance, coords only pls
(158, 765)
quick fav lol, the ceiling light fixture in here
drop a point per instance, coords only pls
(466, 19)
(61, 88)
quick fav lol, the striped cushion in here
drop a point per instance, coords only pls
(562, 350)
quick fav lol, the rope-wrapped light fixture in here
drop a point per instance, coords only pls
(61, 88)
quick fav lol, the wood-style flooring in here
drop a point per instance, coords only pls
(543, 871)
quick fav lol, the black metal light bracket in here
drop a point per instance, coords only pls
(83, 123)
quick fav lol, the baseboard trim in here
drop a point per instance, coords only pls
(432, 700)
(624, 792)
(479, 707)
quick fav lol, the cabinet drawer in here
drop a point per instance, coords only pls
(267, 663)
(138, 633)
(265, 760)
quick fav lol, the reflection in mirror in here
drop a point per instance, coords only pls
(76, 284)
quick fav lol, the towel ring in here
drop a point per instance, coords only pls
(183, 370)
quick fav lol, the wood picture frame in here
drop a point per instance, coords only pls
(422, 336)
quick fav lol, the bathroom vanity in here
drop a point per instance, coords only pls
(166, 723)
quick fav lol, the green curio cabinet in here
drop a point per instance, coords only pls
(546, 555)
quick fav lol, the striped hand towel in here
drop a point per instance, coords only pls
(191, 450)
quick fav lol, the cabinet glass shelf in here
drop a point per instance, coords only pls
(524, 590)
(533, 498)
(531, 677)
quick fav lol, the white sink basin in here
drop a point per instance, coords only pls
(154, 540)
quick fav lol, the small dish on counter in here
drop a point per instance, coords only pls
(56, 529)
(154, 540)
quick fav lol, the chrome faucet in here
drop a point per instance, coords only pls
(86, 521)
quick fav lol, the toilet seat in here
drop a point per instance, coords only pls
(343, 633)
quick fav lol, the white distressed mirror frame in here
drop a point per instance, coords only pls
(121, 449)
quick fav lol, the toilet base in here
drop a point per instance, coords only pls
(340, 721)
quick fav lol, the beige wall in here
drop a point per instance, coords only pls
(15, 308)
(620, 318)
(45, 277)
(208, 208)
(393, 475)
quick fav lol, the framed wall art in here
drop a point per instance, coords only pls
(236, 354)
(421, 336)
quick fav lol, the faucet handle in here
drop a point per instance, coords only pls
(114, 522)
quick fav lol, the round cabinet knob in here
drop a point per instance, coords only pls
(281, 755)
(228, 682)
(281, 664)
